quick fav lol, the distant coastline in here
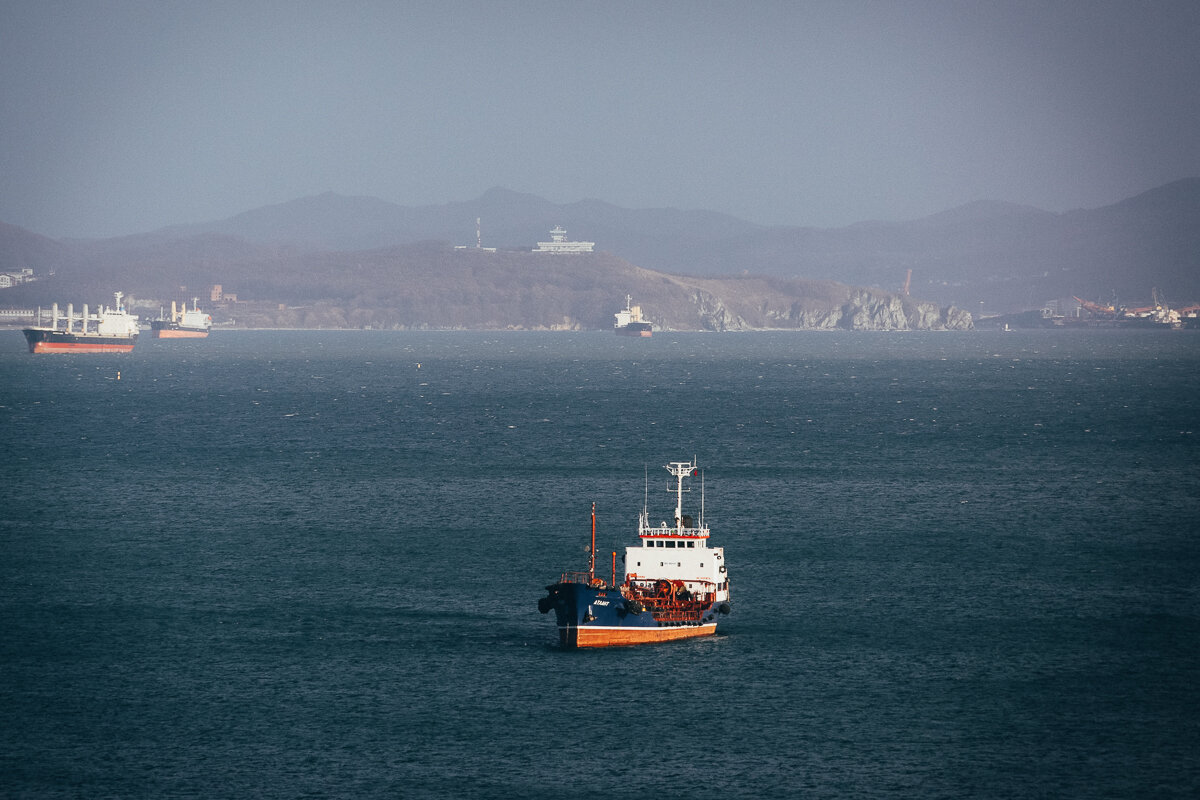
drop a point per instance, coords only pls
(333, 261)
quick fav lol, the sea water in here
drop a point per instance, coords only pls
(304, 564)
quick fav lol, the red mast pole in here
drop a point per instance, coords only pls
(614, 578)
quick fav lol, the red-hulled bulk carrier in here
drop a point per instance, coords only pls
(113, 330)
(184, 323)
(675, 585)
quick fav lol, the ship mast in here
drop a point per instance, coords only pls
(646, 497)
(680, 469)
(592, 549)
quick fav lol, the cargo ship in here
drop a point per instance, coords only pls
(629, 321)
(675, 586)
(114, 331)
(184, 323)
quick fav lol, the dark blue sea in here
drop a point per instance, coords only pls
(307, 564)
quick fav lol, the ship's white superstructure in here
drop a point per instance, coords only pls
(194, 318)
(558, 243)
(677, 551)
(116, 321)
(630, 313)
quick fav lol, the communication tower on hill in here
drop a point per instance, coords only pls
(478, 240)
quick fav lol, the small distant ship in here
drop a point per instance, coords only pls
(184, 323)
(114, 331)
(675, 585)
(629, 321)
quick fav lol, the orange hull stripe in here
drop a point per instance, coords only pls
(615, 637)
(179, 334)
(68, 347)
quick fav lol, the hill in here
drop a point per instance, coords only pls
(363, 254)
(433, 285)
(1008, 256)
(22, 249)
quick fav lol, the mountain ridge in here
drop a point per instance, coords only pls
(1001, 256)
(1005, 254)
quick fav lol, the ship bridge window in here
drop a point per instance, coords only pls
(691, 544)
(670, 544)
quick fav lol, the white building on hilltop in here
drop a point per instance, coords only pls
(558, 244)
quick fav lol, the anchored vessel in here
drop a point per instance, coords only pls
(184, 323)
(675, 585)
(114, 331)
(629, 321)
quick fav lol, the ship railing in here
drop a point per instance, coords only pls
(678, 612)
(662, 530)
(669, 606)
(585, 578)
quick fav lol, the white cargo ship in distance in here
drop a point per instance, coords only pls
(114, 330)
(629, 321)
(184, 323)
(558, 244)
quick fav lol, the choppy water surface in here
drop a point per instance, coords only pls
(287, 564)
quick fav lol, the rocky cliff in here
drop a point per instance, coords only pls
(736, 304)
(433, 285)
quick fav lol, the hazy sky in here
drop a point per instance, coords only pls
(121, 116)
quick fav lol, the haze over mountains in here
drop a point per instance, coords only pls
(997, 256)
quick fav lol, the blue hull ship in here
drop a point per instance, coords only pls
(675, 586)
